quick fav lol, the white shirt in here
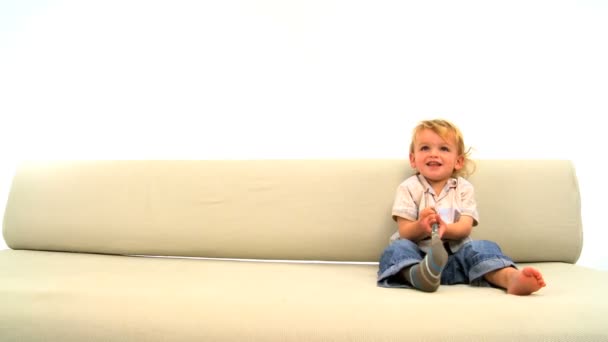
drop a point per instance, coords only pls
(455, 200)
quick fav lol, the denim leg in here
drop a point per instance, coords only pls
(472, 261)
(398, 255)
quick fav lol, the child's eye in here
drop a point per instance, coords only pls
(424, 148)
(445, 149)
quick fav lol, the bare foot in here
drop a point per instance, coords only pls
(525, 281)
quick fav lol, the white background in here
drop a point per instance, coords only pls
(306, 79)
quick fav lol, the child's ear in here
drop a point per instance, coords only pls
(412, 161)
(459, 163)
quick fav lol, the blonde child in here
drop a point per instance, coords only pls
(439, 196)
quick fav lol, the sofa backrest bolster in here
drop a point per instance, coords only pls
(334, 210)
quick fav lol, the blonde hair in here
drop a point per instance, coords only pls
(447, 130)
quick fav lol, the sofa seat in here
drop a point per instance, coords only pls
(56, 296)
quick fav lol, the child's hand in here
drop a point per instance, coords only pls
(442, 225)
(428, 217)
(426, 213)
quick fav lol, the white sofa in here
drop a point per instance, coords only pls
(79, 231)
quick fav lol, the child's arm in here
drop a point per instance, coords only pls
(416, 230)
(459, 230)
(410, 230)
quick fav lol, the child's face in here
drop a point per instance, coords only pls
(435, 158)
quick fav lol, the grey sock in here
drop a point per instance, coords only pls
(426, 275)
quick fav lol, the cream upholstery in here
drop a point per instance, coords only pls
(336, 210)
(273, 209)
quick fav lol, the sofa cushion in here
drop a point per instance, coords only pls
(52, 296)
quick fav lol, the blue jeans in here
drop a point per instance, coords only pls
(467, 266)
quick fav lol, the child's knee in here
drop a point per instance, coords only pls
(486, 246)
(405, 244)
(401, 250)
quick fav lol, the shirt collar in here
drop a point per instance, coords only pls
(452, 183)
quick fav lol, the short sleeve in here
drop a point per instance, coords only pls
(405, 204)
(468, 204)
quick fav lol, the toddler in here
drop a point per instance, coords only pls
(435, 212)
